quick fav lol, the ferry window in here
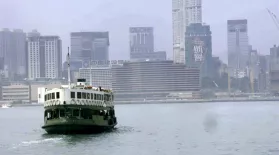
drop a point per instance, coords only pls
(78, 94)
(102, 97)
(83, 95)
(48, 97)
(57, 95)
(105, 97)
(62, 113)
(91, 96)
(73, 94)
(95, 96)
(45, 97)
(88, 95)
(75, 112)
(52, 95)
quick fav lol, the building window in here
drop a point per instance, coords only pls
(73, 94)
(79, 95)
(57, 95)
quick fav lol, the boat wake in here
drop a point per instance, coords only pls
(36, 142)
(5, 106)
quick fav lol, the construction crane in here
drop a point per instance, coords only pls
(274, 18)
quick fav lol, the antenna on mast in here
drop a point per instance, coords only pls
(69, 74)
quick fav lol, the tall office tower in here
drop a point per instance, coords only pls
(238, 48)
(13, 51)
(198, 48)
(254, 64)
(89, 45)
(274, 69)
(141, 42)
(184, 12)
(44, 56)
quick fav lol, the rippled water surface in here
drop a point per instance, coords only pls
(156, 129)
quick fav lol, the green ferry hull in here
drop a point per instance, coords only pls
(77, 126)
(76, 129)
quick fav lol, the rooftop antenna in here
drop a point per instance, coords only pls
(69, 74)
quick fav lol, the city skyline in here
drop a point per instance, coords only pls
(122, 17)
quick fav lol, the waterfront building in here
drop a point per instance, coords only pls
(139, 79)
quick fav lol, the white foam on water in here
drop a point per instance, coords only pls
(33, 142)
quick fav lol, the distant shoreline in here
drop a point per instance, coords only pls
(175, 101)
(195, 101)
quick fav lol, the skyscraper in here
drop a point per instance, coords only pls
(184, 12)
(238, 47)
(198, 48)
(44, 57)
(89, 45)
(194, 11)
(274, 68)
(141, 43)
(13, 51)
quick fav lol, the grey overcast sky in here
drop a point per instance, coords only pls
(60, 17)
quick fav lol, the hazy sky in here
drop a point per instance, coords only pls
(60, 17)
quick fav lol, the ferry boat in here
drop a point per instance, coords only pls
(78, 108)
(6, 106)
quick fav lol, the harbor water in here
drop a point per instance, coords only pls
(238, 128)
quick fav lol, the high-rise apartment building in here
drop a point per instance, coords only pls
(89, 45)
(184, 12)
(238, 48)
(193, 11)
(13, 52)
(44, 56)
